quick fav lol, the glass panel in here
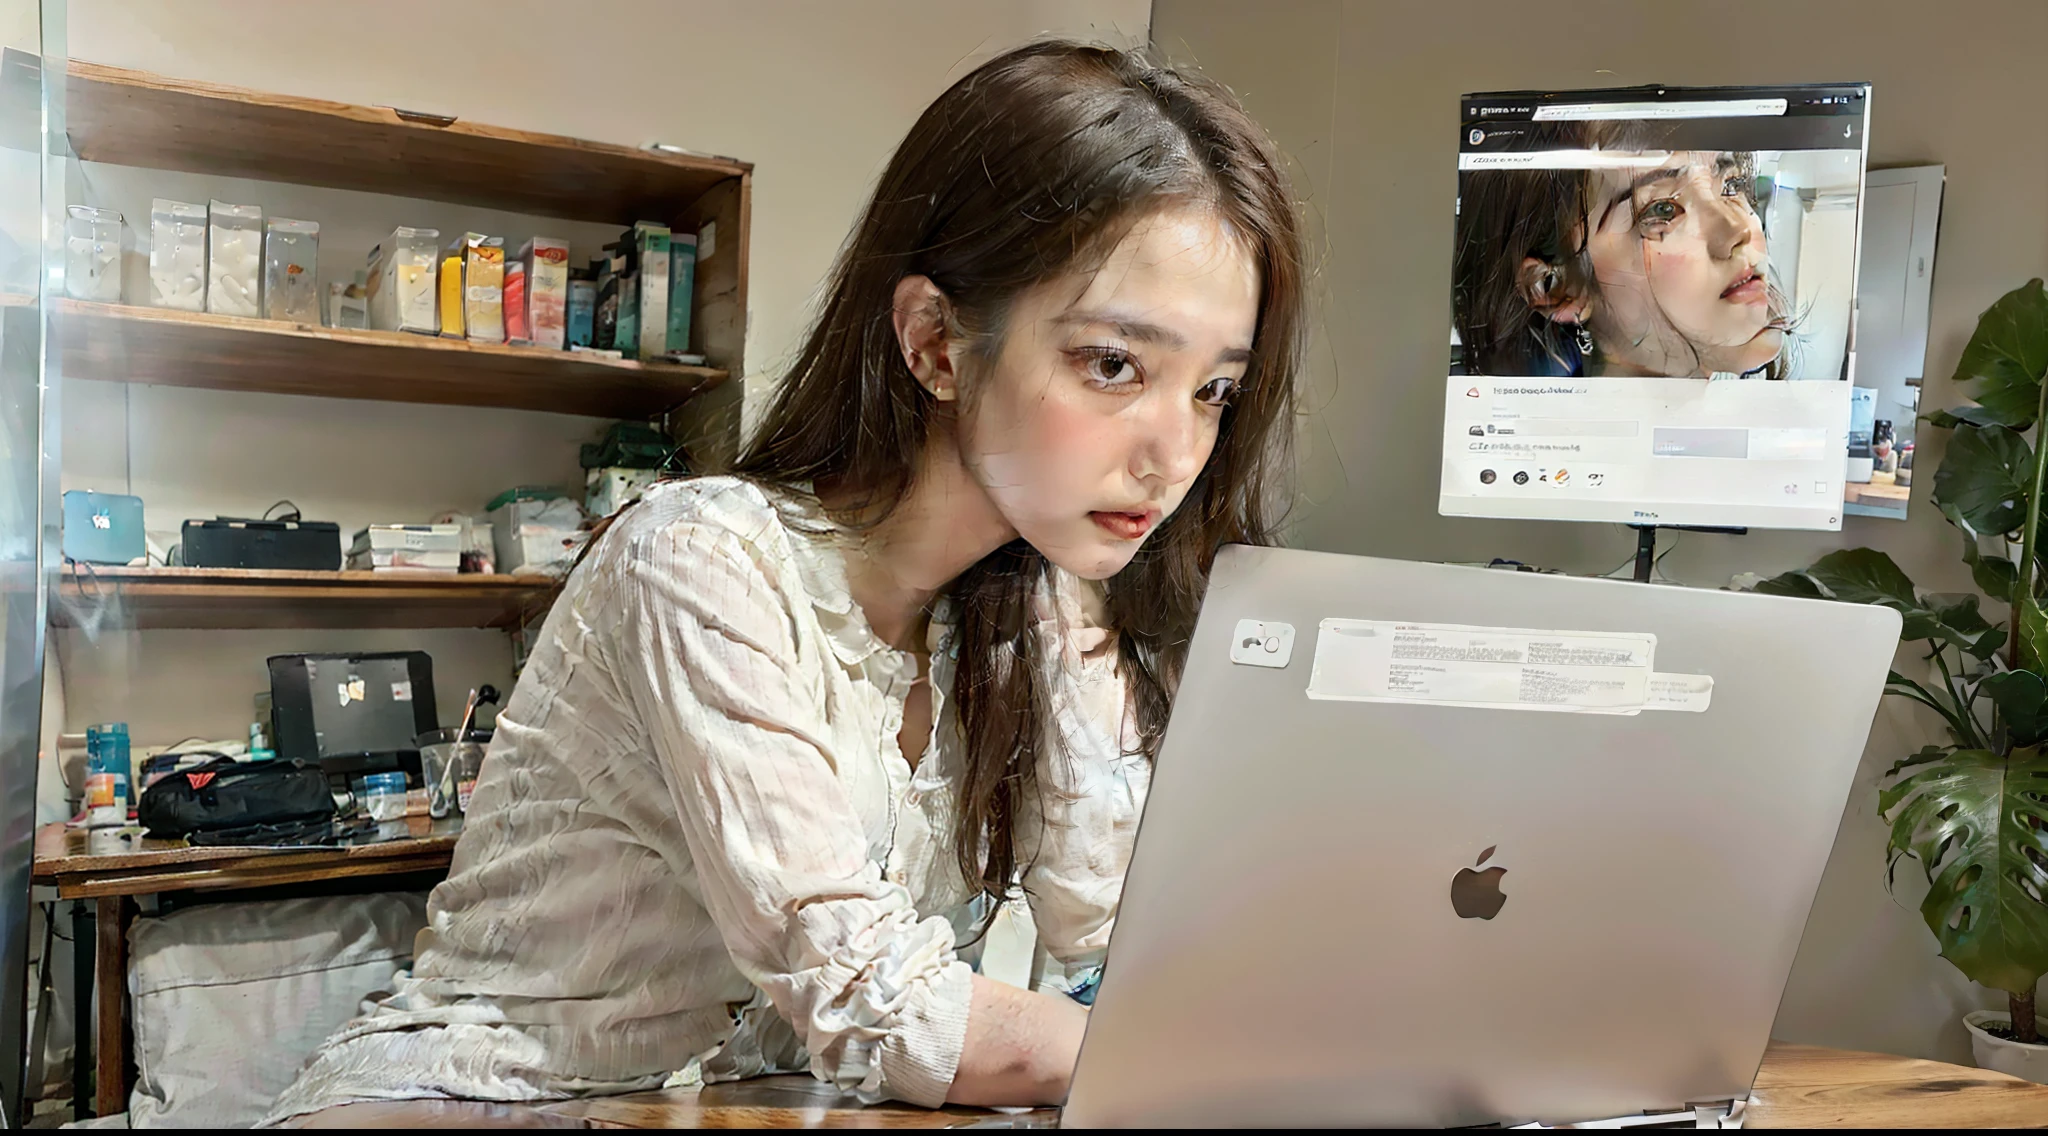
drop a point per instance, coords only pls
(31, 113)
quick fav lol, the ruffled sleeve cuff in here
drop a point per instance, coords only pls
(921, 1055)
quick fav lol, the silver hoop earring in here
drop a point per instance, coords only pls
(1585, 339)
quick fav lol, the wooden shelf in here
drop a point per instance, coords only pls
(232, 598)
(134, 118)
(119, 343)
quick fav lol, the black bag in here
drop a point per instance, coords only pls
(225, 793)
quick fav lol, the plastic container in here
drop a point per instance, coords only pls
(382, 796)
(234, 259)
(291, 270)
(177, 255)
(92, 254)
(611, 488)
(536, 531)
(348, 305)
(106, 776)
(403, 278)
(417, 547)
(448, 790)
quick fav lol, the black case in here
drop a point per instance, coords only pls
(230, 542)
(225, 794)
(314, 723)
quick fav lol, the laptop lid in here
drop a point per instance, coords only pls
(1456, 906)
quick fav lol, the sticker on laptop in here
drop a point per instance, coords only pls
(1262, 643)
(1503, 668)
(1687, 693)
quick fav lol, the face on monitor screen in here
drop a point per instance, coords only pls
(1666, 259)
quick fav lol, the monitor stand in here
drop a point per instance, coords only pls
(1646, 545)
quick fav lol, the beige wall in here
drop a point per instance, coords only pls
(1364, 95)
(815, 93)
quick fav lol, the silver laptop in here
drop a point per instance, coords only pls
(1424, 848)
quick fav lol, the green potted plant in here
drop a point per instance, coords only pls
(1973, 814)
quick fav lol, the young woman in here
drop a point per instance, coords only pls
(1653, 268)
(790, 735)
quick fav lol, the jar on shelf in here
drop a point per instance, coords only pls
(291, 279)
(92, 254)
(403, 281)
(177, 255)
(234, 259)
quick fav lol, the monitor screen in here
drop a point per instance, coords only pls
(1653, 297)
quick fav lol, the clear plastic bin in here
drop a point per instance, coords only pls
(403, 272)
(449, 790)
(92, 254)
(234, 259)
(177, 255)
(291, 276)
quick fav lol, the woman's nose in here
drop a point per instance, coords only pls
(1731, 226)
(1172, 443)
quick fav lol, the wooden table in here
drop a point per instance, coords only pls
(1799, 1086)
(111, 870)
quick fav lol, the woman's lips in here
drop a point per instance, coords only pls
(1748, 290)
(1124, 526)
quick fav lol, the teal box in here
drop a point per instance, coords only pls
(103, 528)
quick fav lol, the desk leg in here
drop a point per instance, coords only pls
(110, 1090)
(83, 941)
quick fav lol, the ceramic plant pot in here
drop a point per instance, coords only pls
(2027, 1062)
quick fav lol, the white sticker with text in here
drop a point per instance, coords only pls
(1504, 668)
(1688, 693)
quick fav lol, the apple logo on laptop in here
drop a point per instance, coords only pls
(1476, 894)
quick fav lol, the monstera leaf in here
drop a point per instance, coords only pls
(1974, 415)
(2022, 701)
(2033, 631)
(2007, 356)
(1995, 574)
(1986, 476)
(1977, 823)
(1958, 621)
(1793, 583)
(1867, 576)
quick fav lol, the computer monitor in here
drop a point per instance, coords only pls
(1653, 301)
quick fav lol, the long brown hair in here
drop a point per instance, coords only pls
(1031, 167)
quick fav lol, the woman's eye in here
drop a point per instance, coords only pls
(1216, 392)
(1110, 367)
(1737, 186)
(1659, 213)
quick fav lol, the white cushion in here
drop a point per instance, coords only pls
(231, 999)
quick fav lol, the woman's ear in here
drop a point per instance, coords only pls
(1543, 288)
(923, 319)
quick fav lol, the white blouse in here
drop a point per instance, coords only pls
(696, 808)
